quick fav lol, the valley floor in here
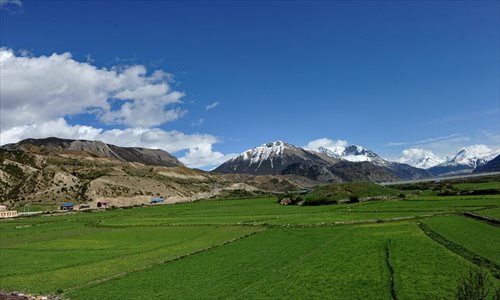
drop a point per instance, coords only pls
(254, 248)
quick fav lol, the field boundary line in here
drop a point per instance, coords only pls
(361, 222)
(394, 295)
(460, 250)
(491, 221)
(123, 274)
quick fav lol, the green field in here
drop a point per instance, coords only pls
(333, 192)
(477, 186)
(492, 213)
(252, 249)
(476, 236)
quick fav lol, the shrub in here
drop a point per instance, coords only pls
(353, 199)
(473, 285)
(448, 192)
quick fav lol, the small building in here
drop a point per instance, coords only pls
(67, 206)
(157, 200)
(4, 213)
(102, 204)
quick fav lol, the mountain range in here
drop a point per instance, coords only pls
(354, 162)
(54, 170)
(350, 163)
(491, 166)
(153, 157)
(465, 161)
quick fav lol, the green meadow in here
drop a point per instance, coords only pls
(411, 248)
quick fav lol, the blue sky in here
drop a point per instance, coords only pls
(387, 75)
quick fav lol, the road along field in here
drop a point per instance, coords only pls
(254, 248)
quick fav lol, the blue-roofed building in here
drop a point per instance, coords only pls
(156, 200)
(67, 206)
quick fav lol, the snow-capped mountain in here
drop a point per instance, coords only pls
(420, 158)
(342, 163)
(273, 158)
(491, 166)
(466, 160)
(356, 153)
(267, 151)
(473, 156)
(353, 153)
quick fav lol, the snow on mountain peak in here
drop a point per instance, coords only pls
(473, 156)
(420, 158)
(334, 147)
(342, 150)
(265, 151)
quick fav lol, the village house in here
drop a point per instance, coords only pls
(157, 200)
(67, 206)
(102, 204)
(4, 213)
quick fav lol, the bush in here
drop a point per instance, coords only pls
(473, 285)
(353, 199)
(448, 192)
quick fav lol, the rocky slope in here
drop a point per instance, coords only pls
(153, 157)
(52, 171)
(491, 166)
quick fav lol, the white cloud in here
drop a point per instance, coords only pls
(198, 122)
(203, 155)
(39, 92)
(437, 149)
(198, 146)
(467, 117)
(333, 145)
(58, 128)
(420, 158)
(212, 105)
(10, 3)
(449, 145)
(40, 89)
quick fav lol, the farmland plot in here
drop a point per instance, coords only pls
(342, 262)
(55, 263)
(248, 248)
(476, 236)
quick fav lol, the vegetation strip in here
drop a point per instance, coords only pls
(394, 296)
(268, 225)
(486, 219)
(115, 276)
(459, 250)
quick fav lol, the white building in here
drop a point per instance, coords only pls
(4, 213)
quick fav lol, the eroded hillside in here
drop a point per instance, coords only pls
(47, 178)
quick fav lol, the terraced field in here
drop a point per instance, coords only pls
(253, 248)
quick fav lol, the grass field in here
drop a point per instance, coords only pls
(477, 186)
(252, 249)
(333, 192)
(476, 236)
(492, 213)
